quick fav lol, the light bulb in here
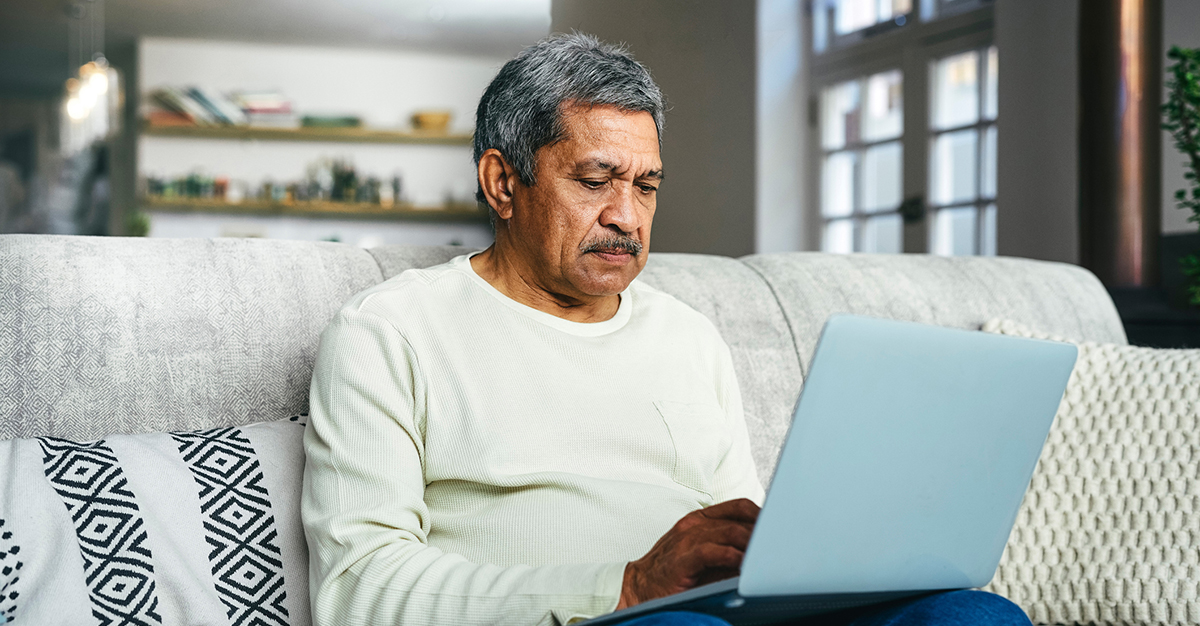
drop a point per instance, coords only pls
(75, 109)
(87, 95)
(98, 81)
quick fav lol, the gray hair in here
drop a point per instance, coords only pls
(522, 109)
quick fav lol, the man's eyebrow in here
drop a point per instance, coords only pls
(598, 164)
(595, 164)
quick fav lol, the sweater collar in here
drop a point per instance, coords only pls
(581, 329)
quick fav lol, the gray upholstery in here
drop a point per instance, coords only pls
(962, 292)
(102, 335)
(108, 335)
(393, 260)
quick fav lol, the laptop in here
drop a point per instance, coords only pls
(902, 474)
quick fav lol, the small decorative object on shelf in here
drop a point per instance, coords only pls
(266, 108)
(330, 187)
(344, 182)
(331, 121)
(431, 121)
(317, 208)
(333, 180)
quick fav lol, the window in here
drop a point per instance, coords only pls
(962, 156)
(904, 116)
(861, 173)
(854, 15)
(844, 20)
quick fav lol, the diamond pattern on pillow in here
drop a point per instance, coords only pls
(117, 564)
(238, 524)
(1109, 531)
(172, 528)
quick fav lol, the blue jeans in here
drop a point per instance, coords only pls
(942, 609)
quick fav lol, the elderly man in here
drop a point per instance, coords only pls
(529, 435)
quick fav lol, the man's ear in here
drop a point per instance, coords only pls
(497, 179)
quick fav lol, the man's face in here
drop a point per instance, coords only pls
(584, 227)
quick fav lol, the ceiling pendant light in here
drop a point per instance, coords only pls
(92, 103)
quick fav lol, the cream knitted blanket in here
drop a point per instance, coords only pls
(1109, 532)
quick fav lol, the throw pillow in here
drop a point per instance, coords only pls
(1109, 531)
(160, 528)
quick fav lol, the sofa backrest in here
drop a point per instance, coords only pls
(104, 335)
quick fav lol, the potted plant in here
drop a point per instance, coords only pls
(1182, 112)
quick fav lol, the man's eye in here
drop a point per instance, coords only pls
(648, 188)
(592, 184)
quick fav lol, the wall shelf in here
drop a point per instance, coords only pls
(351, 210)
(344, 135)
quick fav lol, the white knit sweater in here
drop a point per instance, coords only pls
(471, 460)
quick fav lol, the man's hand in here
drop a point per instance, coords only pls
(703, 547)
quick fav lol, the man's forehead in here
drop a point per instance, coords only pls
(608, 139)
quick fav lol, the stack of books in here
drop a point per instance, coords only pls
(193, 106)
(267, 108)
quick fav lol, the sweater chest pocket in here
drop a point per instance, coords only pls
(700, 440)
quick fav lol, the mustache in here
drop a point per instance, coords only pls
(614, 242)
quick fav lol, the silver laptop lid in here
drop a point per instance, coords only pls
(908, 456)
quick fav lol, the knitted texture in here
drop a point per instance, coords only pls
(1109, 531)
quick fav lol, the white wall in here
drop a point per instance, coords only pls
(780, 129)
(1181, 27)
(383, 87)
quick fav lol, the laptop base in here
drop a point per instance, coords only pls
(722, 600)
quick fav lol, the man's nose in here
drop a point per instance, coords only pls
(621, 210)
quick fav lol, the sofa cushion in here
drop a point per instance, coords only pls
(108, 334)
(1109, 531)
(393, 260)
(197, 527)
(961, 292)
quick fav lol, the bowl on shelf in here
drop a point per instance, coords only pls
(431, 121)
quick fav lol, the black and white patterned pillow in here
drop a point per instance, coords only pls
(160, 528)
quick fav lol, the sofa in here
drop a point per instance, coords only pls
(206, 347)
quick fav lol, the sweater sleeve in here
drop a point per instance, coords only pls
(736, 474)
(364, 512)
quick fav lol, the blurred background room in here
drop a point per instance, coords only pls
(951, 127)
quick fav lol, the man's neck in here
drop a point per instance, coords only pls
(520, 283)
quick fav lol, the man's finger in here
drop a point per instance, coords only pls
(717, 556)
(741, 510)
(720, 531)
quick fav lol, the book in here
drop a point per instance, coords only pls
(169, 118)
(220, 106)
(202, 100)
(262, 102)
(174, 99)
